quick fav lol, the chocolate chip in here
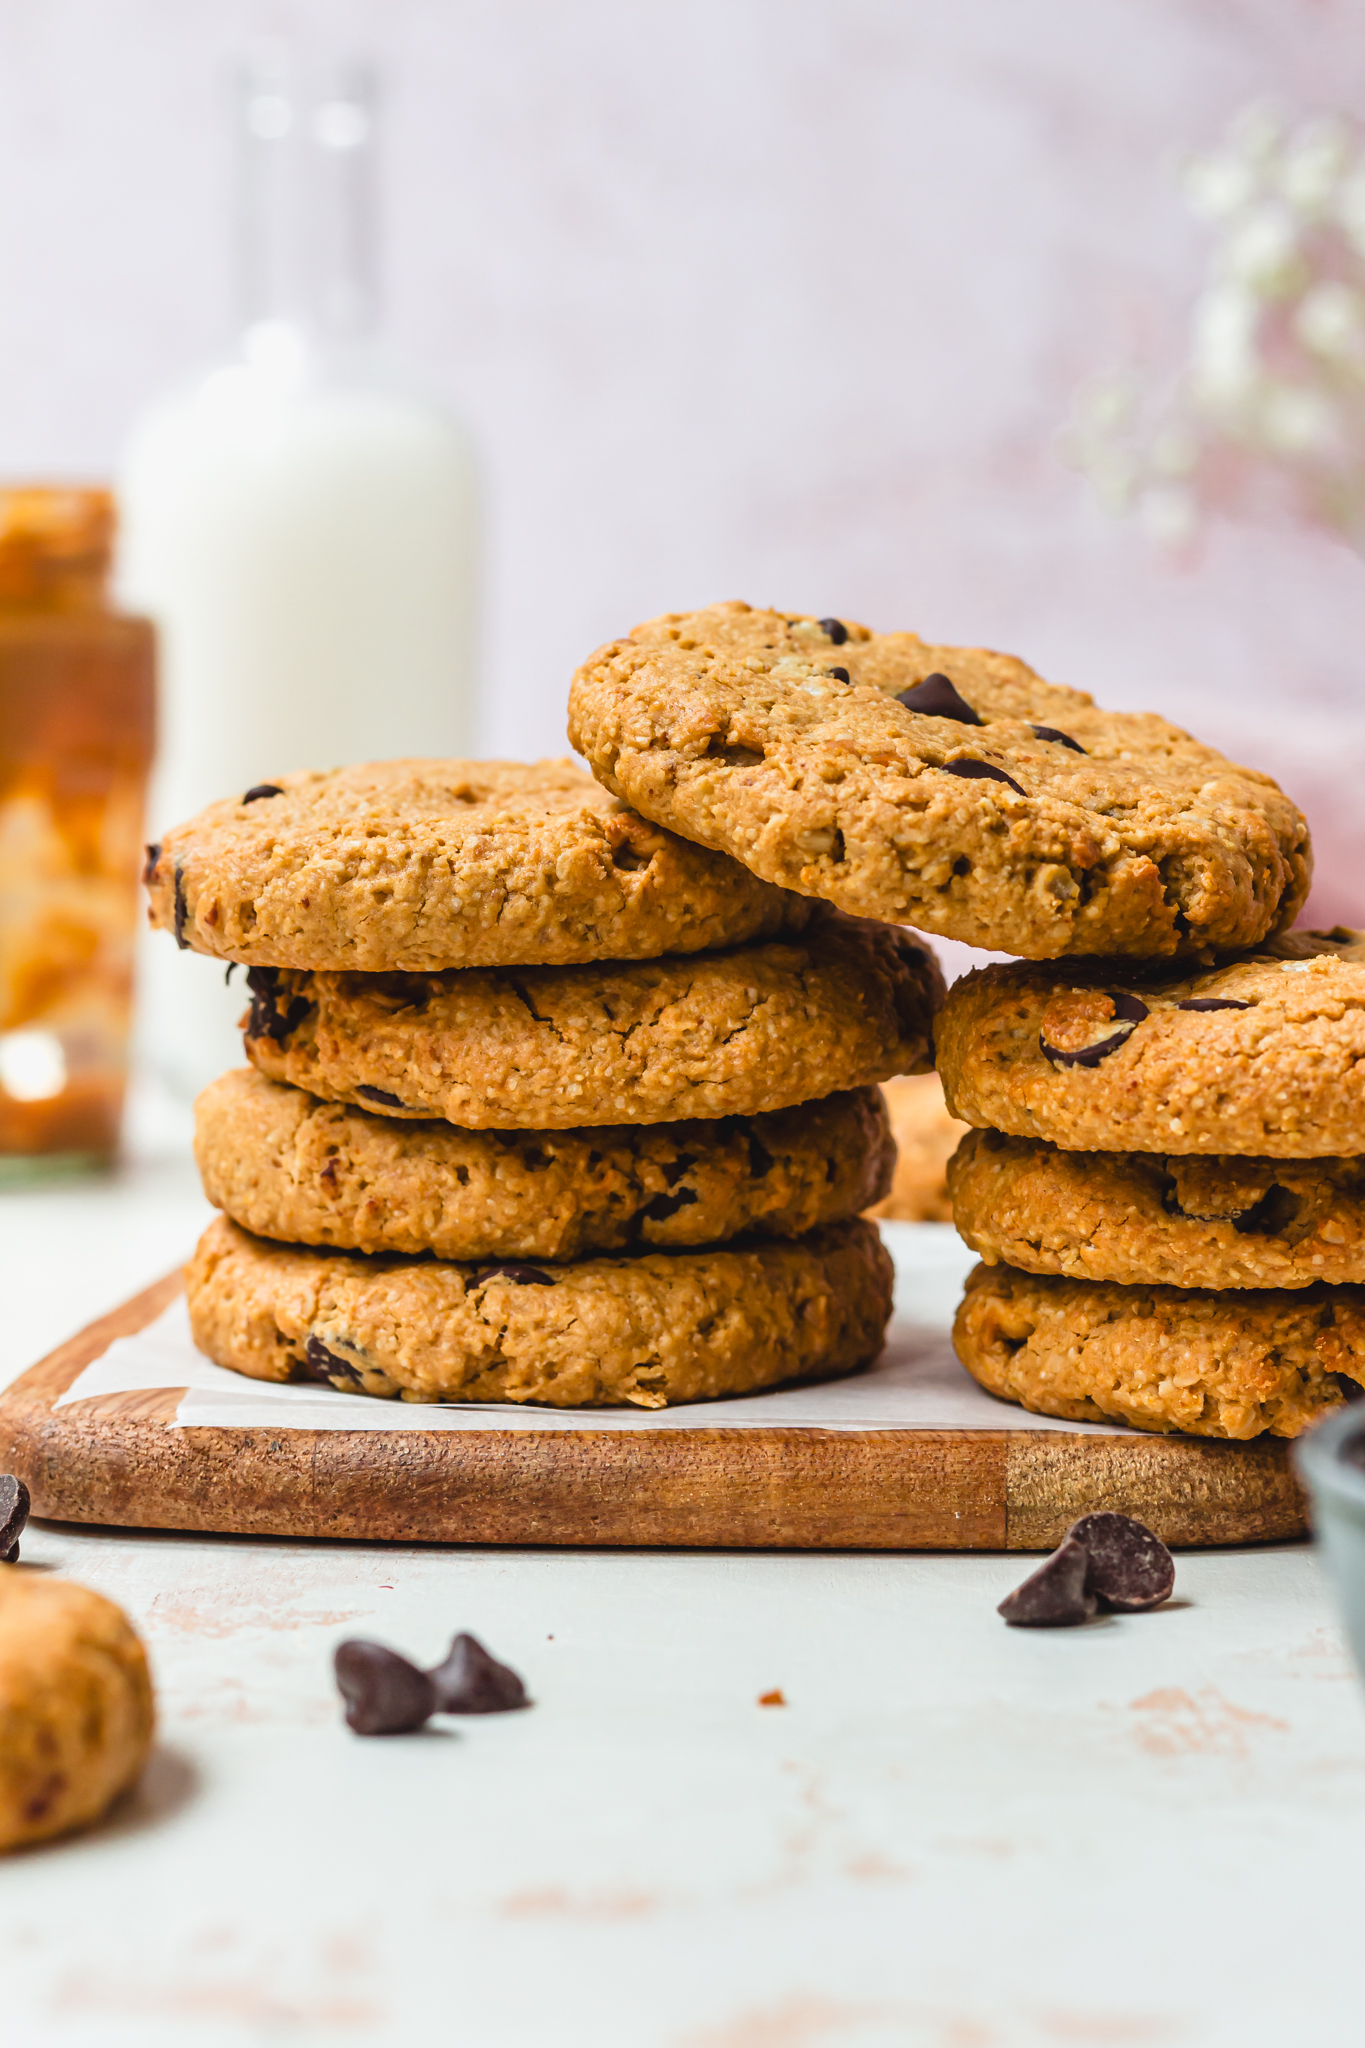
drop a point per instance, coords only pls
(936, 697)
(1130, 1568)
(14, 1508)
(1056, 1595)
(380, 1095)
(981, 771)
(384, 1694)
(260, 789)
(835, 630)
(663, 1206)
(327, 1366)
(1212, 1003)
(760, 1158)
(182, 911)
(1058, 739)
(840, 675)
(232, 969)
(1129, 1010)
(267, 1018)
(472, 1682)
(149, 865)
(512, 1269)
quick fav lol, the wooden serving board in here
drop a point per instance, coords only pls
(113, 1460)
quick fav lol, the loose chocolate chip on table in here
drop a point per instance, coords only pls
(470, 1681)
(981, 771)
(1056, 1595)
(14, 1507)
(936, 697)
(1130, 1568)
(1058, 739)
(260, 789)
(524, 1276)
(840, 675)
(835, 630)
(149, 865)
(380, 1095)
(384, 1694)
(1212, 1003)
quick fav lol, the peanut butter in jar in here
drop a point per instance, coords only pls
(76, 732)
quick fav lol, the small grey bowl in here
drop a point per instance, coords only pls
(1337, 1488)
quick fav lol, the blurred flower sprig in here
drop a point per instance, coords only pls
(1267, 413)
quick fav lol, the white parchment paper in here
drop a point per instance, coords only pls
(917, 1383)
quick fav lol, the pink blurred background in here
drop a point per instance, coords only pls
(781, 299)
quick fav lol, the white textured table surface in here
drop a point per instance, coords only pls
(1149, 1831)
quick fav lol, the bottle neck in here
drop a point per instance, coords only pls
(306, 216)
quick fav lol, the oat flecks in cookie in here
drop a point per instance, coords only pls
(1262, 1056)
(398, 866)
(1163, 1358)
(1177, 1219)
(645, 1331)
(638, 1042)
(1049, 828)
(287, 1166)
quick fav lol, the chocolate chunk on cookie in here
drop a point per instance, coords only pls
(944, 787)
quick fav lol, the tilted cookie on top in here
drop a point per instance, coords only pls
(410, 866)
(944, 787)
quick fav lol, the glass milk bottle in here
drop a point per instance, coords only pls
(302, 527)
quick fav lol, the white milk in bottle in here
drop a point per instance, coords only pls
(301, 526)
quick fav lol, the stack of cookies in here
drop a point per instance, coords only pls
(1140, 1104)
(1170, 1196)
(545, 1103)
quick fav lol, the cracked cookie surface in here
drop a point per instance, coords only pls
(645, 1330)
(1267, 1361)
(1259, 1057)
(424, 865)
(286, 1166)
(636, 1042)
(1038, 824)
(1180, 1221)
(76, 1709)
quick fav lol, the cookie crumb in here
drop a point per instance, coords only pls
(775, 1698)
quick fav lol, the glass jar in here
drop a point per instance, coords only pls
(76, 731)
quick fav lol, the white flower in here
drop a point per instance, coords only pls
(1331, 320)
(1263, 252)
(1224, 366)
(1295, 421)
(1313, 161)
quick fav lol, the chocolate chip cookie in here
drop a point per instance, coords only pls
(944, 787)
(285, 1165)
(1178, 1220)
(1263, 1056)
(423, 865)
(642, 1331)
(636, 1042)
(1269, 1360)
(76, 1711)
